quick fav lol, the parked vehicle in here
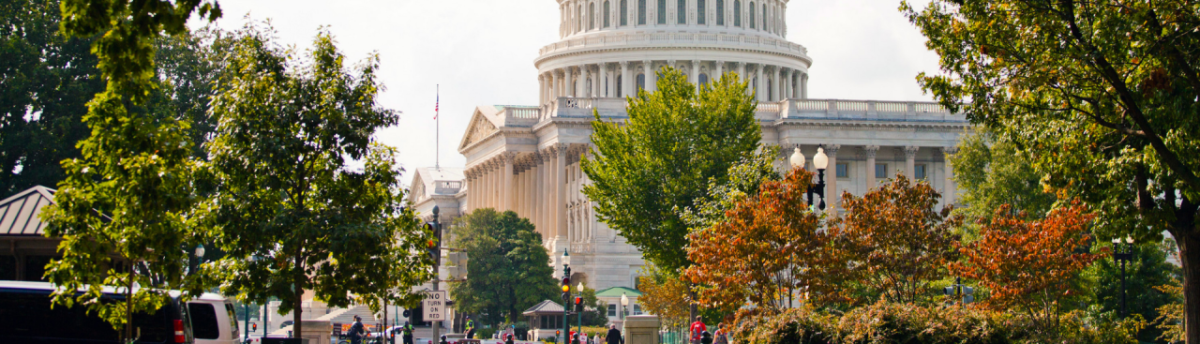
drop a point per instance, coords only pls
(214, 320)
(26, 317)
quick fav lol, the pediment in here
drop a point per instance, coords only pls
(481, 128)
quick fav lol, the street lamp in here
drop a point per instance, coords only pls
(820, 161)
(1123, 257)
(579, 317)
(624, 304)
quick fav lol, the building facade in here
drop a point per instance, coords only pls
(526, 158)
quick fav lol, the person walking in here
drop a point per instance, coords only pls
(614, 335)
(720, 335)
(697, 328)
(508, 339)
(356, 331)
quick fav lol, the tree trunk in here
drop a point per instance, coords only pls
(129, 306)
(299, 295)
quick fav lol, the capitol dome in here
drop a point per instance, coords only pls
(607, 47)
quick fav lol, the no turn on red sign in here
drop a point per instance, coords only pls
(434, 305)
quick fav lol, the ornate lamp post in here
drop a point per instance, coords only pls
(624, 304)
(579, 316)
(1123, 257)
(820, 161)
(566, 288)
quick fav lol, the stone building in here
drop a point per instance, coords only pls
(526, 158)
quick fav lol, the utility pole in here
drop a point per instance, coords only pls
(436, 251)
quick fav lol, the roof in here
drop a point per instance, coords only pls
(543, 307)
(431, 181)
(617, 291)
(19, 213)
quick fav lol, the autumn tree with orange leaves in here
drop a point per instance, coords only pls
(894, 241)
(1027, 265)
(765, 251)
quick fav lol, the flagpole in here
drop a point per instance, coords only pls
(438, 129)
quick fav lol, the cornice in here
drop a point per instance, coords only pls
(870, 124)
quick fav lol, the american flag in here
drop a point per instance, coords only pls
(436, 103)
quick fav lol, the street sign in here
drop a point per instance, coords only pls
(434, 305)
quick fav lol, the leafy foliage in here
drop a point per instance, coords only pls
(662, 159)
(992, 172)
(893, 241)
(1146, 277)
(765, 250)
(509, 268)
(288, 209)
(744, 179)
(1025, 265)
(664, 294)
(1103, 96)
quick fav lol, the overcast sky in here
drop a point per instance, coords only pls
(481, 53)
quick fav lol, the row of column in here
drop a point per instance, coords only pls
(910, 158)
(594, 80)
(580, 16)
(534, 185)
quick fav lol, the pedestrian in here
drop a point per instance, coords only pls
(470, 328)
(406, 336)
(356, 331)
(706, 338)
(614, 335)
(509, 340)
(721, 337)
(697, 328)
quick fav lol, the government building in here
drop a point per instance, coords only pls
(526, 158)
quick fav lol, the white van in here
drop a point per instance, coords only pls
(213, 320)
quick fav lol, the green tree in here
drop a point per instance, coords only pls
(991, 172)
(744, 180)
(1102, 96)
(288, 209)
(647, 169)
(1148, 271)
(509, 268)
(46, 80)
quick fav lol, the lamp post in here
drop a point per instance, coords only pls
(820, 161)
(624, 303)
(579, 316)
(1123, 257)
(566, 288)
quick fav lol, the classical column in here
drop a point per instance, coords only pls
(787, 83)
(720, 71)
(560, 206)
(696, 75)
(759, 83)
(506, 181)
(605, 85)
(742, 75)
(871, 150)
(910, 161)
(530, 173)
(624, 79)
(553, 84)
(831, 190)
(541, 90)
(651, 75)
(804, 86)
(776, 74)
(949, 190)
(539, 205)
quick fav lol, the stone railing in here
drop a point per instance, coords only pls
(786, 109)
(668, 38)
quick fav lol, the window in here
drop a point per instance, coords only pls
(637, 309)
(919, 171)
(751, 14)
(843, 170)
(607, 10)
(204, 321)
(764, 16)
(612, 310)
(624, 12)
(703, 79)
(681, 9)
(581, 18)
(720, 12)
(880, 170)
(700, 12)
(591, 18)
(641, 82)
(662, 11)
(641, 12)
(737, 13)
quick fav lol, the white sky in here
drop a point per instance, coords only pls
(481, 53)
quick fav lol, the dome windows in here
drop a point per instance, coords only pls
(737, 13)
(752, 15)
(700, 12)
(662, 11)
(591, 18)
(641, 12)
(720, 12)
(607, 10)
(624, 13)
(681, 10)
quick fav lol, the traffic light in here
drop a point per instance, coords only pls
(456, 265)
(566, 288)
(253, 327)
(578, 304)
(434, 244)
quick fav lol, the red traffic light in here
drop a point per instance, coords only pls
(578, 300)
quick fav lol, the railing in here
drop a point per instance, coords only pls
(658, 38)
(790, 108)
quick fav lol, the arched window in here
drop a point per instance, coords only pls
(641, 12)
(624, 12)
(720, 12)
(737, 13)
(752, 14)
(591, 18)
(662, 11)
(700, 12)
(607, 10)
(641, 81)
(703, 79)
(681, 8)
